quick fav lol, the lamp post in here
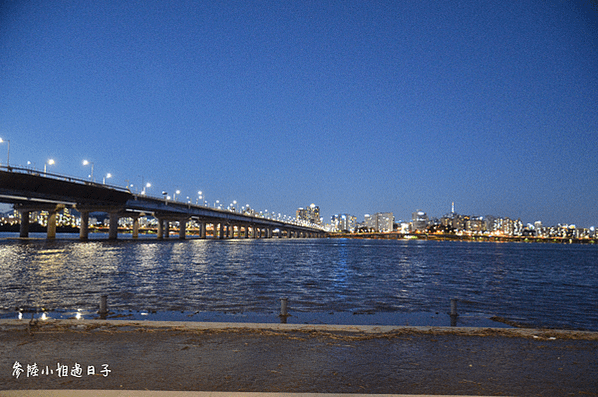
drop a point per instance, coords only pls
(49, 162)
(108, 175)
(85, 162)
(147, 185)
(8, 151)
(175, 194)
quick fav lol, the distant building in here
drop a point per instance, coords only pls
(381, 222)
(344, 222)
(403, 227)
(420, 220)
(476, 224)
(310, 214)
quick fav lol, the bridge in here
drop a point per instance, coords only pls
(30, 190)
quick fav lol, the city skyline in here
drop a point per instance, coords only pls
(357, 107)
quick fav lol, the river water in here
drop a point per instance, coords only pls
(336, 281)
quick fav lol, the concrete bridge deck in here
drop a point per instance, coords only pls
(30, 190)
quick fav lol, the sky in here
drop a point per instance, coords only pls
(356, 106)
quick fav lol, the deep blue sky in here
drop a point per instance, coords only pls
(358, 107)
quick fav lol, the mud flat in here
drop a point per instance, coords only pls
(230, 357)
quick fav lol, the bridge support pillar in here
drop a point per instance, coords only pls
(202, 229)
(182, 229)
(113, 230)
(24, 228)
(51, 229)
(160, 233)
(246, 231)
(221, 234)
(135, 226)
(166, 229)
(84, 228)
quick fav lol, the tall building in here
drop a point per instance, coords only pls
(420, 220)
(379, 222)
(344, 222)
(310, 214)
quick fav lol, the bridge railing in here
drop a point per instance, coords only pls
(60, 177)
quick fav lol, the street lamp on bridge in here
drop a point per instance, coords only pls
(49, 162)
(8, 151)
(85, 162)
(147, 185)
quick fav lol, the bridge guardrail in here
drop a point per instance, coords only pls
(60, 177)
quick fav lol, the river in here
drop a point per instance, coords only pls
(337, 281)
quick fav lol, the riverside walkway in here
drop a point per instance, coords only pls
(251, 360)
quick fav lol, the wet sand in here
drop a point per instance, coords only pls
(297, 358)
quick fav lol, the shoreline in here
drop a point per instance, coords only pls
(333, 235)
(370, 330)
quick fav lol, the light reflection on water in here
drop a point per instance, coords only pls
(538, 284)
